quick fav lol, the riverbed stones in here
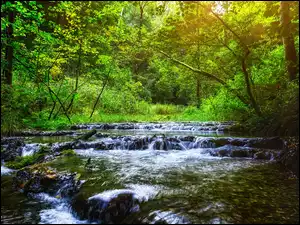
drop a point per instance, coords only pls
(12, 149)
(262, 155)
(39, 179)
(289, 157)
(267, 143)
(239, 153)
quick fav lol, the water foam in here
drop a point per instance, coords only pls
(5, 170)
(60, 213)
(142, 165)
(140, 192)
(30, 149)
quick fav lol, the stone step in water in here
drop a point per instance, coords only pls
(170, 126)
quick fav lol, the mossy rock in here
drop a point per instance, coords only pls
(68, 152)
(24, 161)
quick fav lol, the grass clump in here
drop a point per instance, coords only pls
(68, 152)
(21, 162)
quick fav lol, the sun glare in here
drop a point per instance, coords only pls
(218, 8)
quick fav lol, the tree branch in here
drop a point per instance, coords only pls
(211, 76)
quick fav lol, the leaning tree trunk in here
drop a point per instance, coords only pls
(288, 40)
(97, 100)
(76, 81)
(244, 65)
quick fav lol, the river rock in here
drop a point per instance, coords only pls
(13, 149)
(187, 138)
(43, 179)
(109, 207)
(289, 157)
(262, 155)
(267, 143)
(239, 153)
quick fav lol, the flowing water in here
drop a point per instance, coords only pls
(175, 174)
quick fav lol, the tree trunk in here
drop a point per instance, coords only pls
(141, 20)
(198, 92)
(76, 83)
(288, 40)
(244, 65)
(198, 63)
(9, 50)
(87, 135)
(104, 84)
(210, 76)
(249, 89)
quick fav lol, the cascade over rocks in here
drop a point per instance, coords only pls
(185, 126)
(233, 147)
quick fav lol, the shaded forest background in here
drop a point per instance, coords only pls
(72, 62)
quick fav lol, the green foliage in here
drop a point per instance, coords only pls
(223, 106)
(67, 52)
(166, 109)
(21, 162)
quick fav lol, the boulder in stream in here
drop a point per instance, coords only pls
(38, 179)
(107, 207)
(12, 149)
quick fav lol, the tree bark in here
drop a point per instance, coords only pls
(49, 88)
(198, 62)
(288, 40)
(198, 92)
(54, 104)
(104, 84)
(76, 82)
(141, 20)
(87, 135)
(249, 89)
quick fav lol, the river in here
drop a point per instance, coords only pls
(177, 171)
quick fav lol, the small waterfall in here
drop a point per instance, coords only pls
(198, 142)
(169, 126)
(30, 149)
(151, 145)
(5, 170)
(166, 144)
(60, 213)
(182, 146)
